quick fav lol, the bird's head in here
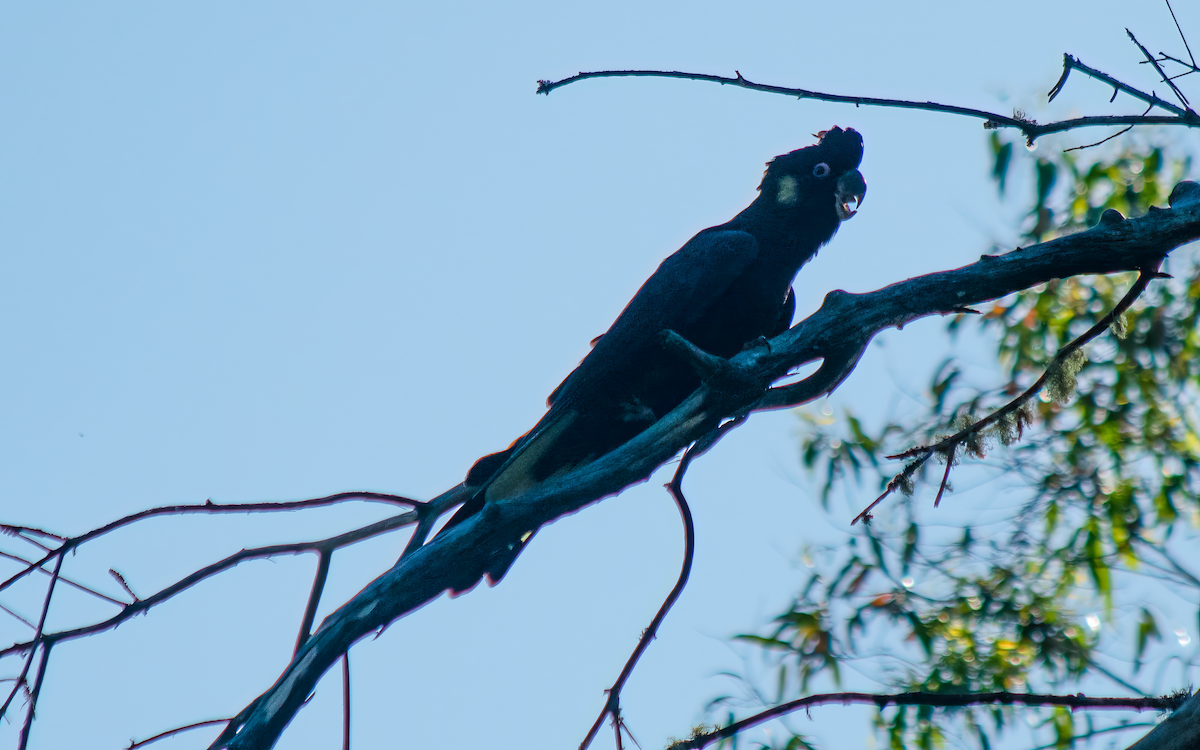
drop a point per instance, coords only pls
(824, 173)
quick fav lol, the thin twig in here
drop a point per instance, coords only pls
(32, 645)
(1162, 74)
(38, 680)
(176, 730)
(940, 700)
(21, 531)
(1181, 36)
(945, 477)
(1164, 57)
(896, 482)
(65, 580)
(1070, 63)
(25, 538)
(16, 616)
(613, 704)
(121, 580)
(341, 540)
(947, 446)
(314, 598)
(1121, 132)
(211, 507)
(628, 731)
(346, 701)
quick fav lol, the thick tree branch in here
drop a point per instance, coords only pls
(837, 332)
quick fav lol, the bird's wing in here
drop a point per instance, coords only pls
(682, 290)
(677, 295)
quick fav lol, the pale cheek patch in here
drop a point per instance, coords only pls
(787, 190)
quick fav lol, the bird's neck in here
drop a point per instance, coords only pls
(788, 237)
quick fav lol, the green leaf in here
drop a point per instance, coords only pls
(1001, 156)
(1064, 728)
(1147, 629)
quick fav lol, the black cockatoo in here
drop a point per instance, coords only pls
(729, 286)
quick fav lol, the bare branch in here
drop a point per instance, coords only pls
(346, 701)
(1073, 63)
(37, 636)
(846, 322)
(1164, 57)
(206, 507)
(1117, 134)
(21, 532)
(38, 680)
(992, 120)
(945, 477)
(135, 745)
(1166, 79)
(66, 581)
(173, 732)
(314, 598)
(121, 580)
(613, 705)
(17, 617)
(141, 605)
(1181, 36)
(941, 700)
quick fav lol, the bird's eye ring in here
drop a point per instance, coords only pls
(821, 170)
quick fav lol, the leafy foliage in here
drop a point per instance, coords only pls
(1102, 469)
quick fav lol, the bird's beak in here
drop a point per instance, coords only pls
(851, 189)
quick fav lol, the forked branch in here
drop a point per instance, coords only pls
(1031, 129)
(836, 334)
(42, 642)
(1011, 418)
(612, 706)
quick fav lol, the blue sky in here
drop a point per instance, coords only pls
(265, 251)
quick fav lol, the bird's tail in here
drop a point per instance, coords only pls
(498, 563)
(482, 477)
(532, 459)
